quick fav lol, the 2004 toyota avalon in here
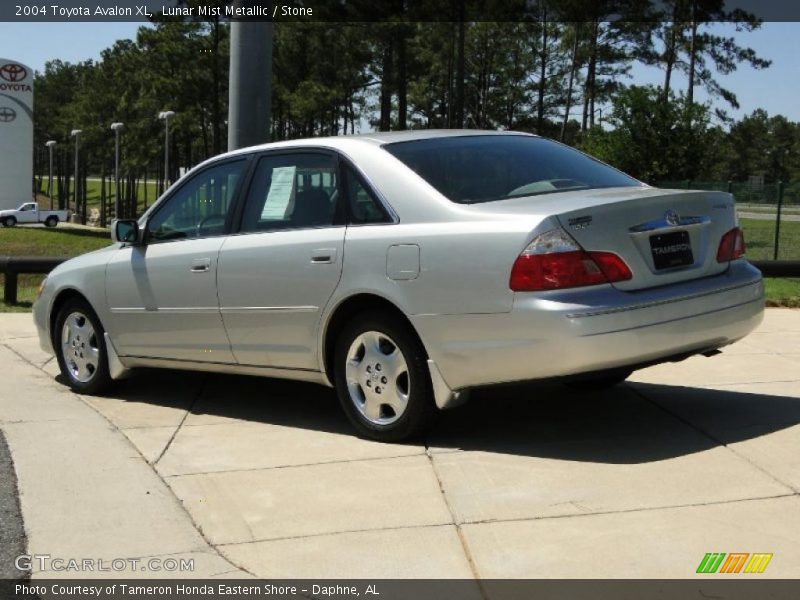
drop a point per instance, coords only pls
(405, 269)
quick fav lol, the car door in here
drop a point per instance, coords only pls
(276, 275)
(28, 213)
(162, 294)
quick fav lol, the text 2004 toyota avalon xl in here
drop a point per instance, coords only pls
(404, 269)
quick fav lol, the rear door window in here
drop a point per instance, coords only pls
(364, 207)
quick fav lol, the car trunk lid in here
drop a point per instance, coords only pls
(664, 236)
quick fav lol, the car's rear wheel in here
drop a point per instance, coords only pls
(10, 221)
(80, 347)
(51, 221)
(381, 377)
(599, 382)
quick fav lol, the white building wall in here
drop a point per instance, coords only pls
(16, 133)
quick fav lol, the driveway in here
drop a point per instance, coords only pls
(525, 481)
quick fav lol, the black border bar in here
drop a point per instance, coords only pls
(740, 587)
(395, 11)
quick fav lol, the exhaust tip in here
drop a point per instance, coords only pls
(710, 353)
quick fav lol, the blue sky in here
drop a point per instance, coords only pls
(776, 89)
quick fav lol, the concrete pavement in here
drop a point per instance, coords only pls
(85, 491)
(264, 477)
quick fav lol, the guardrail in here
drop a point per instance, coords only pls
(778, 268)
(13, 266)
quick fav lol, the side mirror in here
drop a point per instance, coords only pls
(125, 231)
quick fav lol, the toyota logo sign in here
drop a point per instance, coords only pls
(16, 132)
(12, 72)
(7, 114)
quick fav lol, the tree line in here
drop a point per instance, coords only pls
(562, 72)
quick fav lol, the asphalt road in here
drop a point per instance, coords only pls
(12, 532)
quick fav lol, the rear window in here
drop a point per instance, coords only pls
(470, 169)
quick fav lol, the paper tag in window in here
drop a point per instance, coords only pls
(281, 193)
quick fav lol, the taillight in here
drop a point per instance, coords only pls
(731, 246)
(555, 261)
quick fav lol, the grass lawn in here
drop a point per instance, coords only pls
(23, 241)
(782, 291)
(759, 235)
(93, 195)
(28, 241)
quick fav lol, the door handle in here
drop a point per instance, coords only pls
(201, 265)
(323, 256)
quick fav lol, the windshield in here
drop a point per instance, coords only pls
(483, 168)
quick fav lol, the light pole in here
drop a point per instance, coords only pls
(116, 128)
(76, 134)
(166, 115)
(600, 119)
(50, 146)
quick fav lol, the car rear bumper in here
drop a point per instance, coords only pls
(568, 332)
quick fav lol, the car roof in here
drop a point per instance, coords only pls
(375, 138)
(387, 137)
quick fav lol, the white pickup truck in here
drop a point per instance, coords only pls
(30, 213)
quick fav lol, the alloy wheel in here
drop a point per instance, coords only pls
(377, 378)
(79, 347)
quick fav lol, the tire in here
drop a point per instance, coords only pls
(10, 221)
(51, 221)
(382, 379)
(599, 383)
(80, 348)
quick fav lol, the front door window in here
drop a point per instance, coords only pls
(199, 208)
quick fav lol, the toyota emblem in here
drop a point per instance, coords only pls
(672, 217)
(7, 114)
(13, 73)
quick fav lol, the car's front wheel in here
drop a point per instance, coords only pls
(80, 347)
(10, 221)
(382, 380)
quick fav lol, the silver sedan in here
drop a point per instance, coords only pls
(404, 269)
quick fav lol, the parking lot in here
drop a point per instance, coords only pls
(525, 481)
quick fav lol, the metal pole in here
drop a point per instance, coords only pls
(50, 180)
(103, 195)
(116, 128)
(250, 81)
(75, 187)
(50, 145)
(778, 221)
(116, 174)
(76, 134)
(166, 154)
(166, 115)
(10, 287)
